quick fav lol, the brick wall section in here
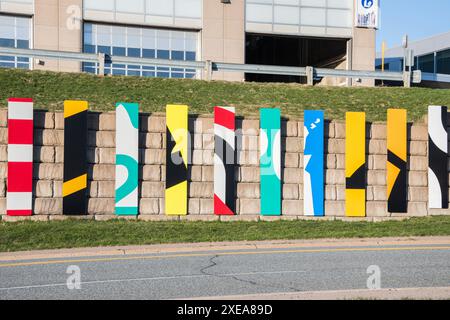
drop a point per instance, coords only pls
(48, 170)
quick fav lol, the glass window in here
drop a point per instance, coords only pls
(15, 33)
(443, 62)
(426, 63)
(140, 42)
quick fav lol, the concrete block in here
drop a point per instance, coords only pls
(149, 206)
(101, 206)
(48, 171)
(292, 175)
(106, 189)
(249, 206)
(207, 173)
(106, 155)
(336, 146)
(417, 209)
(43, 188)
(292, 207)
(417, 179)
(418, 148)
(293, 144)
(152, 189)
(249, 174)
(335, 208)
(195, 173)
(290, 191)
(248, 191)
(335, 177)
(193, 206)
(40, 154)
(106, 172)
(201, 190)
(376, 177)
(47, 206)
(376, 208)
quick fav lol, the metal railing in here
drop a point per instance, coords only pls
(209, 67)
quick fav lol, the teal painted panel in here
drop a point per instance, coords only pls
(127, 135)
(270, 161)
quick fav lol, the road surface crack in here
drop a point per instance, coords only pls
(213, 263)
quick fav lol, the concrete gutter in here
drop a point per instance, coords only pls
(438, 293)
(218, 246)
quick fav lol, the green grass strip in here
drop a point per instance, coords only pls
(30, 235)
(50, 89)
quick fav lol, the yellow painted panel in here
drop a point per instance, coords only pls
(355, 159)
(74, 185)
(396, 132)
(355, 142)
(177, 122)
(176, 199)
(176, 172)
(355, 202)
(72, 107)
(392, 174)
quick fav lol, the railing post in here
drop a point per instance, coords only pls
(407, 79)
(310, 76)
(208, 70)
(101, 64)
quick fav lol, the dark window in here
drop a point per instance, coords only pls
(163, 54)
(119, 51)
(292, 51)
(7, 43)
(426, 63)
(134, 52)
(177, 55)
(23, 44)
(190, 56)
(104, 49)
(148, 53)
(443, 62)
(87, 48)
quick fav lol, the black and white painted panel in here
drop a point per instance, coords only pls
(437, 157)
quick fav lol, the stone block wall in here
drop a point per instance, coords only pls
(48, 169)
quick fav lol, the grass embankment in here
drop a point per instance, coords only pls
(50, 89)
(75, 233)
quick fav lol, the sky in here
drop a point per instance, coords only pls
(417, 18)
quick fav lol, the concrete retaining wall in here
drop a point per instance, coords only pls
(48, 169)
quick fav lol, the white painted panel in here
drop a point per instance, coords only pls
(188, 8)
(103, 5)
(313, 17)
(18, 200)
(259, 13)
(20, 110)
(339, 18)
(20, 153)
(286, 15)
(132, 6)
(158, 7)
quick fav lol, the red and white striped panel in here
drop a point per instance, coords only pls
(20, 157)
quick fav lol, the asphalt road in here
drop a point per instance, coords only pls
(223, 272)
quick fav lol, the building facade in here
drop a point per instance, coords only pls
(431, 56)
(320, 33)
